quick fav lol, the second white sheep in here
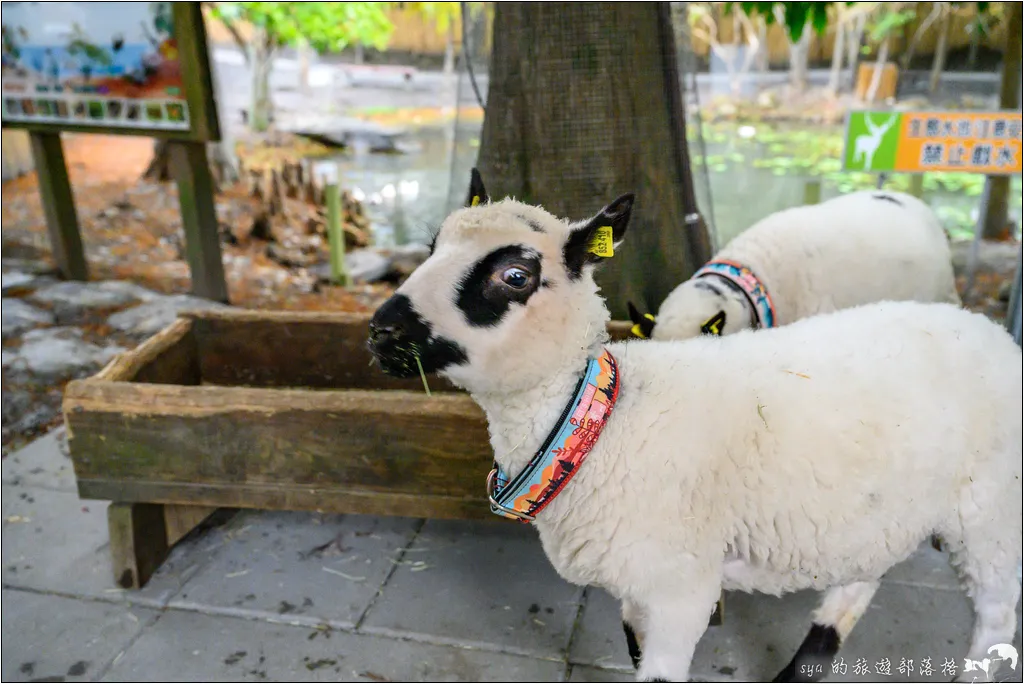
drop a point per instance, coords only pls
(855, 249)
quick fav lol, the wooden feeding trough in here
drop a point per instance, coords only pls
(269, 410)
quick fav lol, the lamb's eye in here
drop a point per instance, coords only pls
(515, 277)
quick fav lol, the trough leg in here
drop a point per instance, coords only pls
(142, 534)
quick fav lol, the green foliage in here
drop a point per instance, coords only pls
(324, 25)
(441, 14)
(796, 15)
(889, 22)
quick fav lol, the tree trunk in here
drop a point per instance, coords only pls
(449, 50)
(304, 57)
(939, 60)
(838, 49)
(762, 45)
(159, 169)
(997, 211)
(876, 74)
(574, 120)
(855, 38)
(261, 59)
(798, 61)
(222, 156)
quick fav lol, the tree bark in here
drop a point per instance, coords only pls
(838, 50)
(798, 53)
(261, 56)
(856, 37)
(997, 210)
(939, 60)
(449, 50)
(876, 74)
(574, 120)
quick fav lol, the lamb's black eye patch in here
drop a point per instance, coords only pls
(484, 298)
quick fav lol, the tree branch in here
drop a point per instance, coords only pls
(937, 9)
(233, 30)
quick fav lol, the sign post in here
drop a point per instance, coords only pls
(920, 142)
(129, 68)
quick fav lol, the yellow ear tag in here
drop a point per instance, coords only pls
(636, 329)
(476, 201)
(601, 243)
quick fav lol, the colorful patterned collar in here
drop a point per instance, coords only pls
(564, 450)
(744, 278)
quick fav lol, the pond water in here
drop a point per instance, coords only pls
(742, 173)
(406, 195)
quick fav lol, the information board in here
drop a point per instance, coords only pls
(922, 142)
(107, 66)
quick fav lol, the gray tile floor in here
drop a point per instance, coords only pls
(278, 596)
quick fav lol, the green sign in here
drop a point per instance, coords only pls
(871, 141)
(920, 142)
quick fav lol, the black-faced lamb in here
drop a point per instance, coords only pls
(855, 249)
(814, 455)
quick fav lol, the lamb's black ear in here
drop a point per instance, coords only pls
(634, 313)
(714, 325)
(643, 324)
(595, 240)
(477, 193)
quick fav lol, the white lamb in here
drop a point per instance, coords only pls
(816, 455)
(855, 249)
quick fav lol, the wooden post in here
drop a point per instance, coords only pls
(917, 185)
(142, 534)
(336, 235)
(138, 542)
(812, 191)
(59, 205)
(199, 218)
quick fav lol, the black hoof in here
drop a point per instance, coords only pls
(632, 645)
(813, 660)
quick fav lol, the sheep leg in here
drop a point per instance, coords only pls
(675, 620)
(832, 623)
(632, 625)
(994, 592)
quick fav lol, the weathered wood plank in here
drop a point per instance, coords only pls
(324, 351)
(138, 541)
(169, 358)
(351, 499)
(179, 519)
(59, 205)
(385, 441)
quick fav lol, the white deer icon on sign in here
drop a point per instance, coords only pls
(865, 145)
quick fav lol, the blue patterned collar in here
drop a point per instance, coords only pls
(752, 287)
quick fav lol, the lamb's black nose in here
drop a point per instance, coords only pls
(382, 332)
(394, 321)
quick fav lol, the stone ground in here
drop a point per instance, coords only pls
(56, 331)
(285, 596)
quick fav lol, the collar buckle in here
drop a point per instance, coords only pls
(497, 507)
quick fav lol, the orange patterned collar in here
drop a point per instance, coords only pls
(564, 450)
